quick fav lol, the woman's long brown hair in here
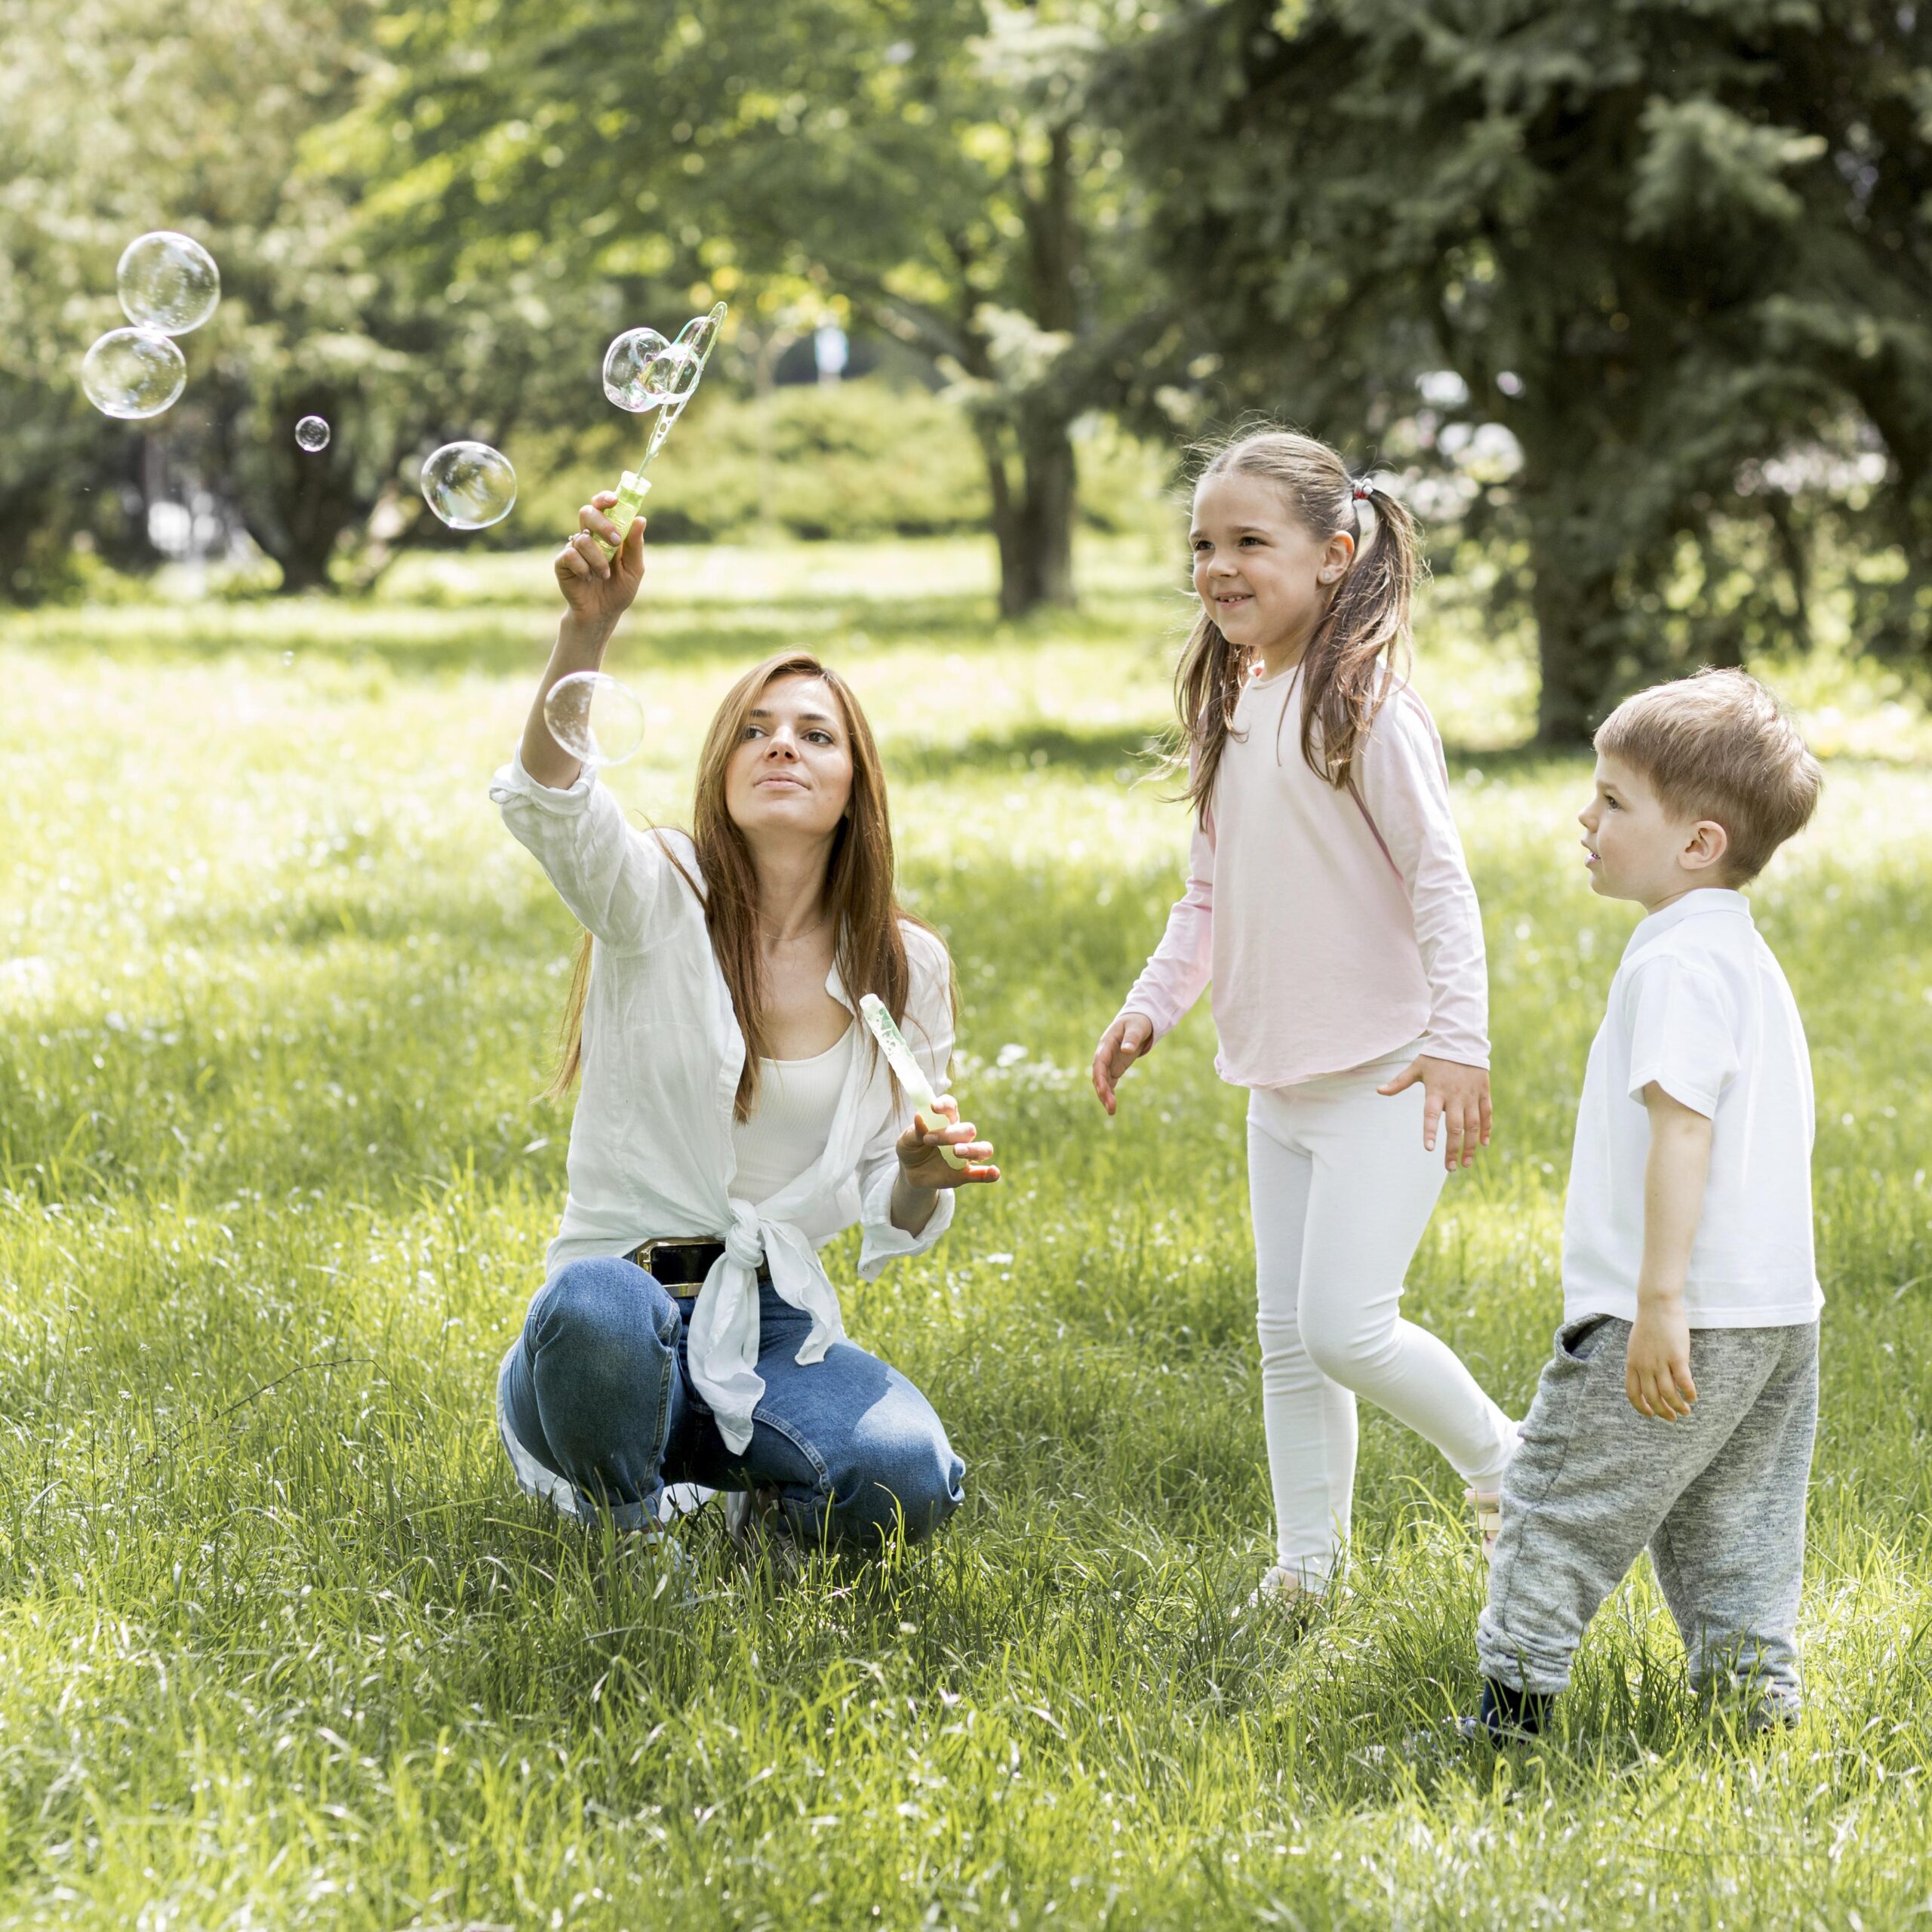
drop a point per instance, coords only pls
(870, 949)
(1367, 620)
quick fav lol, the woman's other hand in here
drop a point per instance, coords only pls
(922, 1165)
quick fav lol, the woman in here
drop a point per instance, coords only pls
(734, 1115)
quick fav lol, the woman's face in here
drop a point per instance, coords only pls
(791, 771)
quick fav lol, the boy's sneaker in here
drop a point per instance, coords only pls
(1508, 1716)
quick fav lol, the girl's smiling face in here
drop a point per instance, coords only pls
(1260, 573)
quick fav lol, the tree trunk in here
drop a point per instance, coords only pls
(1051, 477)
(1033, 523)
(1577, 641)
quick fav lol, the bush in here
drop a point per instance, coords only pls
(857, 461)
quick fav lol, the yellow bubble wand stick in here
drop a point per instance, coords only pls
(683, 363)
(912, 1075)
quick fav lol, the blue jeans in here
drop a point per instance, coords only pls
(597, 1390)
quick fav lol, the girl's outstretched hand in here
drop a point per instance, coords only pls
(598, 588)
(1130, 1038)
(1457, 1097)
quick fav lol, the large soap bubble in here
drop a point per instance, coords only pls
(168, 282)
(635, 370)
(595, 718)
(133, 373)
(470, 485)
(311, 434)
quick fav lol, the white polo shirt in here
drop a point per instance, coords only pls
(1700, 1006)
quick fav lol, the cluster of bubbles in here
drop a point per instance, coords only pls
(169, 286)
(594, 717)
(643, 371)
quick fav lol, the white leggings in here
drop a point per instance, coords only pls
(1341, 1188)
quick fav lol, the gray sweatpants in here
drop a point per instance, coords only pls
(1718, 1496)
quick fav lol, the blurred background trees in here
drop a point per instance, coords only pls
(1633, 301)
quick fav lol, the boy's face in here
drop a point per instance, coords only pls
(1639, 850)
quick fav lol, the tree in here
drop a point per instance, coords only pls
(1663, 245)
(932, 167)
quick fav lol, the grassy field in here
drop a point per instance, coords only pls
(282, 1647)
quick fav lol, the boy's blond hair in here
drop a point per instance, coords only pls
(1720, 747)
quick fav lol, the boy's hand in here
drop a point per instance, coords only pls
(1130, 1038)
(1455, 1096)
(1656, 1365)
(1657, 1371)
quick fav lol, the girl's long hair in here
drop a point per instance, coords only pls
(870, 949)
(1366, 620)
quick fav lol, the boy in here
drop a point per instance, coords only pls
(1679, 1409)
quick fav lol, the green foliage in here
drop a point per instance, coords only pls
(853, 461)
(1679, 253)
(283, 1646)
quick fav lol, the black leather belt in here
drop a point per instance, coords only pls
(677, 1264)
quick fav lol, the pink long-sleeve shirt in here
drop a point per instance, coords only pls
(1335, 930)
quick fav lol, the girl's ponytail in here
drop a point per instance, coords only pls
(1367, 620)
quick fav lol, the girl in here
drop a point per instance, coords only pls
(1329, 902)
(731, 1122)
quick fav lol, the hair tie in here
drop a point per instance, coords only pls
(1364, 489)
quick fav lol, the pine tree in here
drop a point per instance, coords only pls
(1663, 245)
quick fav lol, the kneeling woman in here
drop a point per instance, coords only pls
(735, 1114)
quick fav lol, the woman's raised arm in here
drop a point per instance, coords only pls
(597, 590)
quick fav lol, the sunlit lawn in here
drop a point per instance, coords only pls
(280, 1645)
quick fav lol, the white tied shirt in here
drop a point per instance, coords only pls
(651, 1153)
(1700, 1006)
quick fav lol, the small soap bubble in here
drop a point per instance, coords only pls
(470, 485)
(168, 282)
(630, 363)
(311, 434)
(595, 718)
(133, 373)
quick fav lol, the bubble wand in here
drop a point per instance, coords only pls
(640, 375)
(912, 1075)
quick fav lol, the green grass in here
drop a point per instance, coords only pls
(280, 1644)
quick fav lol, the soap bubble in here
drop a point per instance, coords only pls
(133, 373)
(700, 334)
(630, 363)
(675, 374)
(594, 717)
(311, 434)
(167, 282)
(470, 485)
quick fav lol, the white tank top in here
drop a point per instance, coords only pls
(792, 1122)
